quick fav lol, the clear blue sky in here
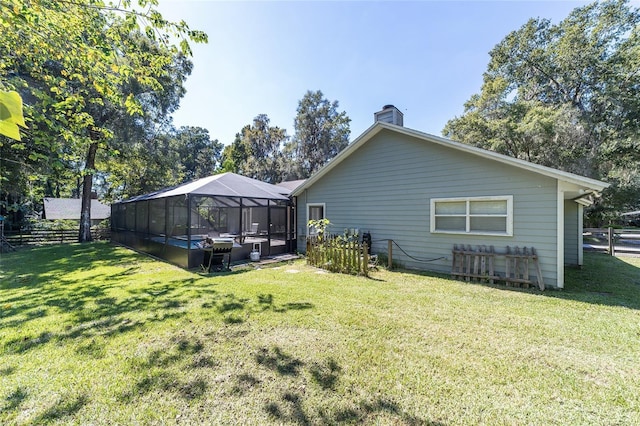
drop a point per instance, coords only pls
(425, 57)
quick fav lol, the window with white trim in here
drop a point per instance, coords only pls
(314, 212)
(473, 215)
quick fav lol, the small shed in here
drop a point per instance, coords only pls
(170, 223)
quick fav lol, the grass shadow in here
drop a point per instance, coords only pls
(244, 383)
(157, 370)
(366, 411)
(293, 306)
(231, 303)
(66, 406)
(289, 406)
(72, 280)
(14, 399)
(290, 409)
(7, 370)
(275, 359)
(326, 374)
(266, 302)
(48, 261)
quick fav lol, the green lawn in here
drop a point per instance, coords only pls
(97, 334)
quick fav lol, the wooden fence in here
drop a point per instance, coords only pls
(612, 240)
(337, 255)
(51, 236)
(479, 265)
(470, 264)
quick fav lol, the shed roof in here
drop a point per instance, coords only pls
(223, 185)
(69, 208)
(570, 178)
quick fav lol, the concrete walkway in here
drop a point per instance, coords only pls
(267, 260)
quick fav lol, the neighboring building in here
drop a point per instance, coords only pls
(428, 193)
(69, 209)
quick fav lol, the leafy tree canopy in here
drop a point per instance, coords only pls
(565, 96)
(84, 66)
(321, 132)
(264, 152)
(257, 151)
(199, 154)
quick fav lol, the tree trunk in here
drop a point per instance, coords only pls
(87, 185)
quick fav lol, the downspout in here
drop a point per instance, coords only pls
(560, 236)
(585, 199)
(580, 236)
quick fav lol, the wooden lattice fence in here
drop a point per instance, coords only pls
(517, 267)
(336, 254)
(478, 264)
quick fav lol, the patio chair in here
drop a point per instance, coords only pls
(254, 229)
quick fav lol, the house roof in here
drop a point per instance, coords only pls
(289, 185)
(571, 178)
(223, 185)
(69, 208)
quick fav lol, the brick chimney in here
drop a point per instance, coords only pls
(389, 114)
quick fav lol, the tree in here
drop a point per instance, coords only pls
(168, 158)
(564, 95)
(79, 65)
(143, 154)
(199, 155)
(232, 155)
(146, 166)
(256, 151)
(321, 132)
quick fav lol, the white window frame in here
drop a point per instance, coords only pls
(468, 200)
(311, 232)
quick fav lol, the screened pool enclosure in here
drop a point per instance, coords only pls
(171, 222)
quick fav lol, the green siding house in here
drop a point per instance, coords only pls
(428, 193)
